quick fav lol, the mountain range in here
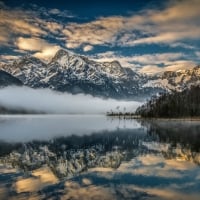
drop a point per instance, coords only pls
(69, 72)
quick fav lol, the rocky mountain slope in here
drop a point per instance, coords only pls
(7, 79)
(176, 80)
(78, 74)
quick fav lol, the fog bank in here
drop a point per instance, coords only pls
(52, 102)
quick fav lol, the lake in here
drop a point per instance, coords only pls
(97, 157)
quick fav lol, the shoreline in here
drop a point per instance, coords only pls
(132, 116)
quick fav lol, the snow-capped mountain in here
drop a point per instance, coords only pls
(28, 69)
(175, 80)
(78, 74)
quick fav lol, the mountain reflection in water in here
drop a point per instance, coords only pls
(153, 160)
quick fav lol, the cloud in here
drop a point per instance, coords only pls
(151, 69)
(149, 63)
(47, 52)
(197, 53)
(100, 31)
(24, 29)
(33, 22)
(176, 22)
(168, 37)
(189, 10)
(53, 27)
(17, 22)
(49, 101)
(8, 58)
(156, 58)
(54, 11)
(3, 38)
(31, 44)
(180, 44)
(173, 24)
(44, 50)
(179, 65)
(63, 13)
(87, 48)
(171, 66)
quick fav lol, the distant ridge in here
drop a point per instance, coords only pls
(69, 72)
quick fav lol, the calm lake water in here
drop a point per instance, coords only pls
(95, 157)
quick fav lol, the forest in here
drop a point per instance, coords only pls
(173, 105)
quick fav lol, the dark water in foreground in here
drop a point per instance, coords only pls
(94, 157)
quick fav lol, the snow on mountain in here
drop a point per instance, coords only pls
(78, 74)
(178, 80)
(28, 69)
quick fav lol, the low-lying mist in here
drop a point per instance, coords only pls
(52, 102)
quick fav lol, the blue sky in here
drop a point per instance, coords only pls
(149, 36)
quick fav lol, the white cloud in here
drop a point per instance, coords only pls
(8, 58)
(54, 11)
(173, 25)
(197, 53)
(176, 22)
(156, 58)
(161, 58)
(87, 48)
(149, 63)
(171, 66)
(151, 69)
(63, 13)
(17, 22)
(181, 44)
(47, 53)
(4, 39)
(30, 44)
(100, 31)
(53, 27)
(44, 50)
(180, 65)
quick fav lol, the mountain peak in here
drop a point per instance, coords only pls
(27, 59)
(116, 63)
(60, 53)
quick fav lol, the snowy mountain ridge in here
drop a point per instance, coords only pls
(78, 74)
(176, 80)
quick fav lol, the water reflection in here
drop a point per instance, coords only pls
(43, 127)
(152, 160)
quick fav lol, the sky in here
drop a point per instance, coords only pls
(149, 36)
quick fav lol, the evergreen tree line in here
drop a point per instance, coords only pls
(173, 105)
